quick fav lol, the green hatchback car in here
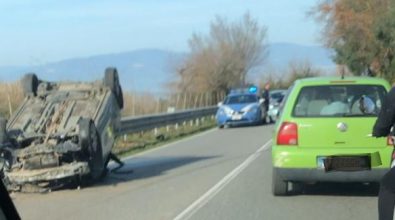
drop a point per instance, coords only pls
(324, 133)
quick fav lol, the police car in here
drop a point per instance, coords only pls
(241, 107)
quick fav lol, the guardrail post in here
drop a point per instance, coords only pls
(176, 126)
(167, 128)
(156, 131)
(125, 137)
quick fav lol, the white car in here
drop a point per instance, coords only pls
(276, 97)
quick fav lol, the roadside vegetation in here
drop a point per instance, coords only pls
(362, 34)
(294, 71)
(135, 143)
(222, 58)
(137, 103)
(11, 96)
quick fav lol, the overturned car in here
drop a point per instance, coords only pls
(61, 132)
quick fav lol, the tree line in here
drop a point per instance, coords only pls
(362, 34)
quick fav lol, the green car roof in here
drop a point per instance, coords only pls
(324, 80)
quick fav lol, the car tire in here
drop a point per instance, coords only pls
(30, 84)
(297, 187)
(279, 186)
(91, 148)
(111, 79)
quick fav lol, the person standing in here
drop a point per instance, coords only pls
(266, 97)
(382, 128)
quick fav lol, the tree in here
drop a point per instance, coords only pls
(384, 32)
(361, 32)
(222, 59)
(295, 70)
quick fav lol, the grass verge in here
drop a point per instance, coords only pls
(138, 142)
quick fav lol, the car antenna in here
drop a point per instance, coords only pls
(342, 72)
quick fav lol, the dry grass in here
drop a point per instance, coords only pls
(139, 104)
(135, 103)
(146, 103)
(137, 142)
(10, 98)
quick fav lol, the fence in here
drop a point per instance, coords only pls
(137, 104)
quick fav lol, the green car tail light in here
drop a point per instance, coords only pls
(288, 134)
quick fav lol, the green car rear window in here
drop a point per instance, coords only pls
(337, 100)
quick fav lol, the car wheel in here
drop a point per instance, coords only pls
(91, 147)
(297, 187)
(30, 84)
(279, 186)
(111, 79)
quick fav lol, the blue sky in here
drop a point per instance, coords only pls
(35, 32)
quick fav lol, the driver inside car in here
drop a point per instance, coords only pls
(335, 106)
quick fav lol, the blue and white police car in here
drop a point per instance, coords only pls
(241, 107)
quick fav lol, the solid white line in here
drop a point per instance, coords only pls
(205, 198)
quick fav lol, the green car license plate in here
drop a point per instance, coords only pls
(347, 163)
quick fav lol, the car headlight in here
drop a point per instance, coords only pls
(227, 110)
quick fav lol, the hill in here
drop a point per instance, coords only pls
(150, 69)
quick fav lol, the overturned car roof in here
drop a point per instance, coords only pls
(61, 131)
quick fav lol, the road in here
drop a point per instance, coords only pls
(219, 174)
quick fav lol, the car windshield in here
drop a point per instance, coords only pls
(240, 99)
(277, 96)
(337, 100)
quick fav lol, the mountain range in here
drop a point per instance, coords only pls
(151, 69)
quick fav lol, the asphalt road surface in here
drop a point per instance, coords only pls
(219, 174)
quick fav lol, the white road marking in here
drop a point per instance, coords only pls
(211, 193)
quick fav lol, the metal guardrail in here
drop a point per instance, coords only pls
(148, 122)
